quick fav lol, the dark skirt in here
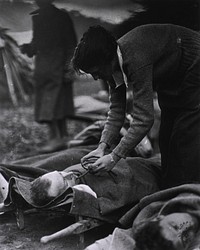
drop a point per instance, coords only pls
(180, 146)
(180, 125)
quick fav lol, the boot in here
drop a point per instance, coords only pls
(56, 142)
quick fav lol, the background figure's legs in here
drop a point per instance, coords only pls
(54, 130)
(56, 141)
(62, 126)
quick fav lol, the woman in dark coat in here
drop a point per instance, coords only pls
(53, 43)
(157, 57)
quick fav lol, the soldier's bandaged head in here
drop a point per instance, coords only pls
(51, 185)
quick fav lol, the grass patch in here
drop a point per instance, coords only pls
(21, 135)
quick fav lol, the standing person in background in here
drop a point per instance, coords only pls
(157, 57)
(53, 43)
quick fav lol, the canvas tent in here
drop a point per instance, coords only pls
(14, 13)
(14, 16)
(112, 11)
(14, 72)
(117, 15)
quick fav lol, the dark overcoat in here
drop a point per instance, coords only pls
(53, 43)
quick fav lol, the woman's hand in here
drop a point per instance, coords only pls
(97, 153)
(104, 164)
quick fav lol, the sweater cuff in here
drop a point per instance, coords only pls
(121, 151)
(108, 139)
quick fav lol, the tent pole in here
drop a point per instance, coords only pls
(9, 79)
(17, 78)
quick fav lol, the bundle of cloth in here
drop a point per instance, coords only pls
(167, 219)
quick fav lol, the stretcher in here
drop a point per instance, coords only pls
(21, 207)
(79, 227)
(112, 200)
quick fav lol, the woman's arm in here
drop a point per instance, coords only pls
(143, 112)
(116, 115)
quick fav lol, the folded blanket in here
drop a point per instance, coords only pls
(183, 199)
(150, 204)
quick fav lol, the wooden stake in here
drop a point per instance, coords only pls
(9, 79)
(76, 228)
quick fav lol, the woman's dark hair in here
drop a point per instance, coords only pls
(97, 47)
(39, 191)
(148, 236)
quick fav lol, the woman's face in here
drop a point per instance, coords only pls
(103, 72)
(173, 226)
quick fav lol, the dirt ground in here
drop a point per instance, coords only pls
(19, 137)
(39, 225)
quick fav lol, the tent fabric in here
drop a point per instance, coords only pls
(14, 15)
(16, 71)
(112, 11)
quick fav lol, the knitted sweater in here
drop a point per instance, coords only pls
(157, 57)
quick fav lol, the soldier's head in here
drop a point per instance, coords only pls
(49, 186)
(172, 231)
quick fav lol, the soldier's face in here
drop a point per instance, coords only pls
(57, 183)
(175, 227)
(60, 181)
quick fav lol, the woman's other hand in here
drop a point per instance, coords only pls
(104, 164)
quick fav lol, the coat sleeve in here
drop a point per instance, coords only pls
(69, 36)
(116, 115)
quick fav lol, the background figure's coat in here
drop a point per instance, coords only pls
(53, 42)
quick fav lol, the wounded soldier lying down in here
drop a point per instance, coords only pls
(51, 185)
(111, 194)
(166, 220)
